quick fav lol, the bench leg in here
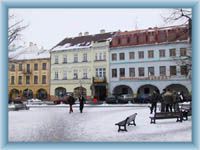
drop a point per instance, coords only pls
(153, 120)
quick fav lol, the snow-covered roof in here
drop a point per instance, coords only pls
(81, 42)
(29, 53)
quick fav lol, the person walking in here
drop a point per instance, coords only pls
(71, 102)
(154, 101)
(82, 101)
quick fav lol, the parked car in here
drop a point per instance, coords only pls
(125, 98)
(111, 99)
(35, 102)
(17, 105)
(144, 98)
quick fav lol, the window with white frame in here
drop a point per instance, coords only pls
(131, 72)
(56, 60)
(114, 57)
(75, 58)
(85, 75)
(150, 54)
(85, 57)
(183, 52)
(151, 71)
(172, 52)
(100, 72)
(114, 73)
(141, 54)
(131, 55)
(122, 72)
(141, 71)
(104, 56)
(64, 75)
(162, 70)
(56, 75)
(172, 70)
(65, 59)
(161, 53)
(75, 74)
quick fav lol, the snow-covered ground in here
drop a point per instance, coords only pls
(55, 124)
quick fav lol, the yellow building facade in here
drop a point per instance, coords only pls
(80, 65)
(29, 71)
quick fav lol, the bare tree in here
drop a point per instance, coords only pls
(185, 17)
(14, 29)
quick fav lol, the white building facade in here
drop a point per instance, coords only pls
(141, 68)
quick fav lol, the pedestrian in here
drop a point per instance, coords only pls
(71, 101)
(175, 102)
(82, 101)
(154, 100)
(168, 100)
(162, 101)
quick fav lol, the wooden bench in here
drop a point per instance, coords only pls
(186, 110)
(167, 115)
(130, 120)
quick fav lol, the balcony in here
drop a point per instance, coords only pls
(28, 72)
(99, 79)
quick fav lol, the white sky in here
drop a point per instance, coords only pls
(47, 27)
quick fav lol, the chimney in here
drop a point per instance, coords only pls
(80, 34)
(86, 33)
(102, 31)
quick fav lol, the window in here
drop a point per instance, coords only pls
(35, 79)
(35, 66)
(44, 66)
(151, 71)
(122, 72)
(85, 57)
(56, 75)
(85, 74)
(75, 58)
(100, 56)
(162, 71)
(56, 60)
(96, 56)
(172, 70)
(12, 67)
(44, 79)
(162, 53)
(64, 75)
(64, 59)
(141, 71)
(75, 74)
(114, 73)
(184, 70)
(27, 79)
(131, 55)
(28, 69)
(100, 72)
(20, 67)
(141, 54)
(172, 52)
(19, 79)
(150, 54)
(104, 56)
(183, 52)
(131, 72)
(114, 57)
(121, 56)
(12, 80)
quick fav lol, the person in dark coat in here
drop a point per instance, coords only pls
(154, 100)
(82, 101)
(168, 100)
(71, 102)
(162, 101)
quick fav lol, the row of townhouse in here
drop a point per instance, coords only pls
(131, 62)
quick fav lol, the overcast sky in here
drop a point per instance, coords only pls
(47, 27)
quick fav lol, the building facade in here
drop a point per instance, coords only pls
(145, 60)
(29, 70)
(80, 65)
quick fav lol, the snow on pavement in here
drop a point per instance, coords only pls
(55, 124)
